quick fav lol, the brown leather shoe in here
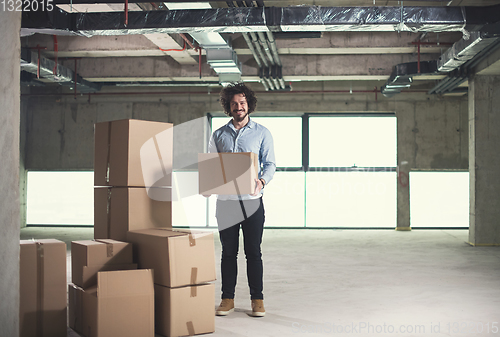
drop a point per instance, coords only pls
(226, 307)
(258, 308)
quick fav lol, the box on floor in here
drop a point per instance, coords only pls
(43, 307)
(122, 304)
(133, 153)
(184, 311)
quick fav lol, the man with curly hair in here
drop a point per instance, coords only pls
(241, 134)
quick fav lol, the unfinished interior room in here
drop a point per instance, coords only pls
(249, 168)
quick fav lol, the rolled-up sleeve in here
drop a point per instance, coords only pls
(267, 157)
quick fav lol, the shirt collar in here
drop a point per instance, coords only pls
(250, 124)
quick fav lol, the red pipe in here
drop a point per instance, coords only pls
(126, 13)
(38, 61)
(433, 43)
(184, 48)
(54, 71)
(76, 74)
(187, 41)
(418, 53)
(199, 60)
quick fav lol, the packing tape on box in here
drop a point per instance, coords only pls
(192, 240)
(108, 159)
(109, 247)
(190, 327)
(76, 302)
(194, 277)
(222, 167)
(157, 147)
(108, 220)
(40, 285)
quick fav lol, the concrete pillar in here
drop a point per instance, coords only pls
(406, 119)
(23, 175)
(10, 24)
(484, 160)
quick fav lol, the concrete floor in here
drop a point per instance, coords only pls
(360, 283)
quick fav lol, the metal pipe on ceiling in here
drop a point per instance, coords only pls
(265, 46)
(252, 49)
(256, 44)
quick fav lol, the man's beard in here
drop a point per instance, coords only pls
(238, 118)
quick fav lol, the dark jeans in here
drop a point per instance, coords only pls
(249, 215)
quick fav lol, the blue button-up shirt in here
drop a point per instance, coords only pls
(253, 137)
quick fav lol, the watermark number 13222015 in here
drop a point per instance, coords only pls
(26, 5)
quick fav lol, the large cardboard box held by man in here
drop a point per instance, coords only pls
(42, 311)
(227, 173)
(120, 209)
(185, 311)
(178, 257)
(88, 257)
(133, 153)
(121, 305)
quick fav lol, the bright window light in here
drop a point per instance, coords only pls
(352, 141)
(284, 200)
(60, 198)
(439, 199)
(287, 137)
(351, 199)
(189, 209)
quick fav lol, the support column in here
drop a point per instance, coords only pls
(405, 114)
(484, 160)
(10, 25)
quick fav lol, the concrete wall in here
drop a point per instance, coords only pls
(10, 24)
(432, 131)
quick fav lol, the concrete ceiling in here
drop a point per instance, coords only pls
(363, 58)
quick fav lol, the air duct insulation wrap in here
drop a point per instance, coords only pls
(413, 19)
(220, 20)
(264, 19)
(463, 51)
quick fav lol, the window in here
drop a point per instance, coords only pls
(287, 137)
(439, 199)
(60, 198)
(323, 196)
(352, 141)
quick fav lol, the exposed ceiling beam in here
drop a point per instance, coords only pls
(338, 43)
(293, 65)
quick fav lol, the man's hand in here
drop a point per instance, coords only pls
(206, 195)
(258, 187)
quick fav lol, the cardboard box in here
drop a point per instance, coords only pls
(122, 305)
(42, 311)
(120, 209)
(178, 257)
(89, 257)
(227, 173)
(184, 311)
(133, 153)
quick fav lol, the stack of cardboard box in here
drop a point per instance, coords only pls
(132, 203)
(109, 296)
(42, 310)
(132, 177)
(183, 262)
